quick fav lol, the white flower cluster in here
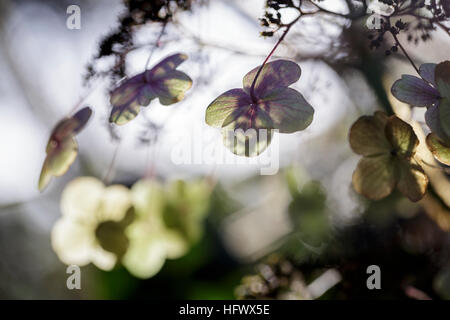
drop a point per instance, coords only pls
(140, 227)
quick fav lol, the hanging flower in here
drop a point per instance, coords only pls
(388, 146)
(433, 92)
(163, 81)
(62, 147)
(168, 221)
(252, 114)
(92, 225)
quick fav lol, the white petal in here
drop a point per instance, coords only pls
(176, 245)
(148, 198)
(116, 201)
(103, 259)
(145, 257)
(72, 242)
(81, 198)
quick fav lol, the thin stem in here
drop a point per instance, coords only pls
(157, 44)
(82, 99)
(288, 27)
(405, 53)
(108, 175)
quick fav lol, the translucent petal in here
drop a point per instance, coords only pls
(415, 91)
(162, 81)
(221, 108)
(287, 109)
(440, 150)
(413, 180)
(367, 136)
(401, 136)
(375, 177)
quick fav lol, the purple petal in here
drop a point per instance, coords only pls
(426, 71)
(122, 114)
(82, 116)
(276, 74)
(71, 126)
(166, 65)
(127, 91)
(288, 109)
(415, 91)
(434, 123)
(162, 81)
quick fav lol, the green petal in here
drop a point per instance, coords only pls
(187, 205)
(246, 127)
(440, 151)
(59, 158)
(375, 177)
(412, 181)
(122, 114)
(45, 177)
(221, 108)
(442, 78)
(401, 136)
(62, 148)
(172, 87)
(367, 135)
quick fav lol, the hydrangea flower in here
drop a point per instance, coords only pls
(169, 219)
(433, 92)
(186, 206)
(151, 243)
(62, 147)
(163, 81)
(92, 225)
(251, 114)
(388, 146)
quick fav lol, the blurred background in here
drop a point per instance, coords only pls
(300, 234)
